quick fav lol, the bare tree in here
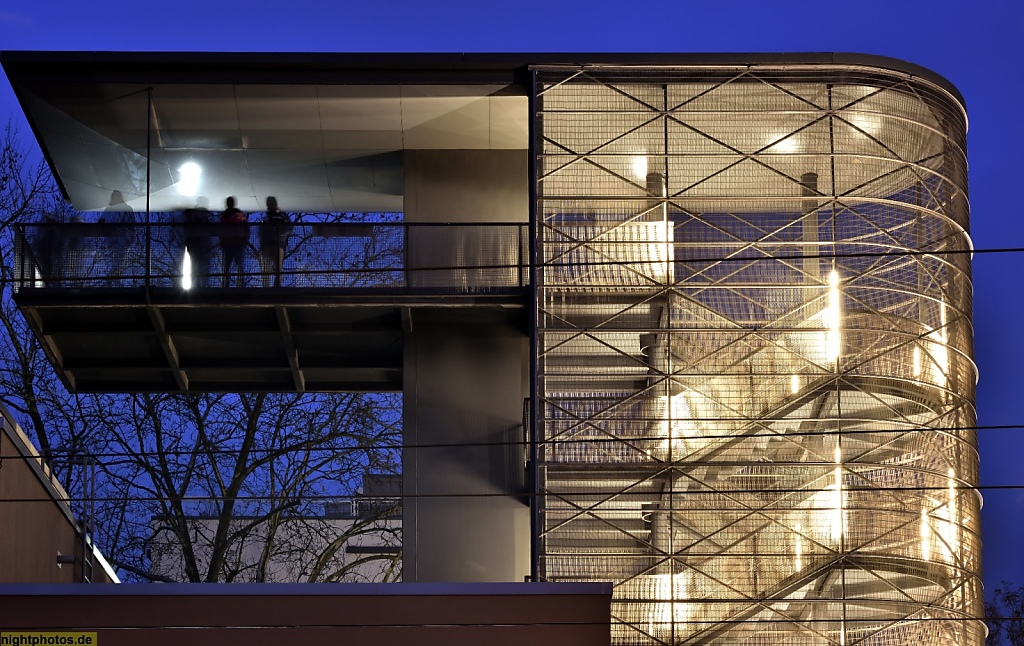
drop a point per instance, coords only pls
(1004, 615)
(234, 486)
(28, 384)
(229, 487)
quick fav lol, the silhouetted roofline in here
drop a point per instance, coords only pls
(293, 67)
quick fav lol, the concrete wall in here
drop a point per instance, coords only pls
(35, 522)
(466, 186)
(312, 614)
(465, 382)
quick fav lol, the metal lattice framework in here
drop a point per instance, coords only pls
(756, 392)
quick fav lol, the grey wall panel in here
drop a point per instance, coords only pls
(463, 404)
(466, 186)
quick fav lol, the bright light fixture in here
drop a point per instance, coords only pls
(784, 144)
(868, 122)
(188, 185)
(677, 425)
(640, 167)
(670, 590)
(833, 319)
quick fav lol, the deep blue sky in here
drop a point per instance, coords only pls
(976, 44)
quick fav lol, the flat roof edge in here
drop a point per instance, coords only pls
(16, 60)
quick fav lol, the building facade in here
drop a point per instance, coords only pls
(741, 322)
(354, 540)
(42, 540)
(754, 354)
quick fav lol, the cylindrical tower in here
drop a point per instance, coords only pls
(755, 381)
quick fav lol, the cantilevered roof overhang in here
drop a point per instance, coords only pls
(319, 138)
(322, 132)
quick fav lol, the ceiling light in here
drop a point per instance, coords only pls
(188, 185)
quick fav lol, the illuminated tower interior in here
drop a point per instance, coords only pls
(756, 392)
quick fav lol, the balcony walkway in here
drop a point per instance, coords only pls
(110, 306)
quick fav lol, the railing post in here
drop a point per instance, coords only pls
(519, 253)
(19, 257)
(149, 250)
(149, 175)
(405, 256)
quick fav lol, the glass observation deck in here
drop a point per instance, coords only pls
(354, 257)
(151, 305)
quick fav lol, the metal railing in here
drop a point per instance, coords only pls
(447, 258)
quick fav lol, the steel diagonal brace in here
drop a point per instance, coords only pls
(894, 242)
(749, 512)
(759, 604)
(590, 511)
(748, 245)
(588, 423)
(648, 299)
(918, 166)
(168, 347)
(575, 244)
(745, 156)
(790, 93)
(635, 626)
(555, 86)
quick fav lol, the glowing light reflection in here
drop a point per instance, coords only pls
(836, 493)
(188, 185)
(640, 167)
(669, 589)
(186, 272)
(799, 561)
(832, 318)
(926, 536)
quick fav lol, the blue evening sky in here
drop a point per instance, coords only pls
(976, 44)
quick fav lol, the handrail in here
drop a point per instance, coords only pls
(433, 257)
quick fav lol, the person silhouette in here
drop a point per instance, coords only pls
(234, 238)
(198, 242)
(273, 239)
(122, 239)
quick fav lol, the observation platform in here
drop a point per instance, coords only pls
(124, 308)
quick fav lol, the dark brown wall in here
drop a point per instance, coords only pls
(33, 528)
(263, 614)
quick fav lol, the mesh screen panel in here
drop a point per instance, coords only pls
(388, 256)
(754, 406)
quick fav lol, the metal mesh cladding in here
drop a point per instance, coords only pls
(755, 378)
